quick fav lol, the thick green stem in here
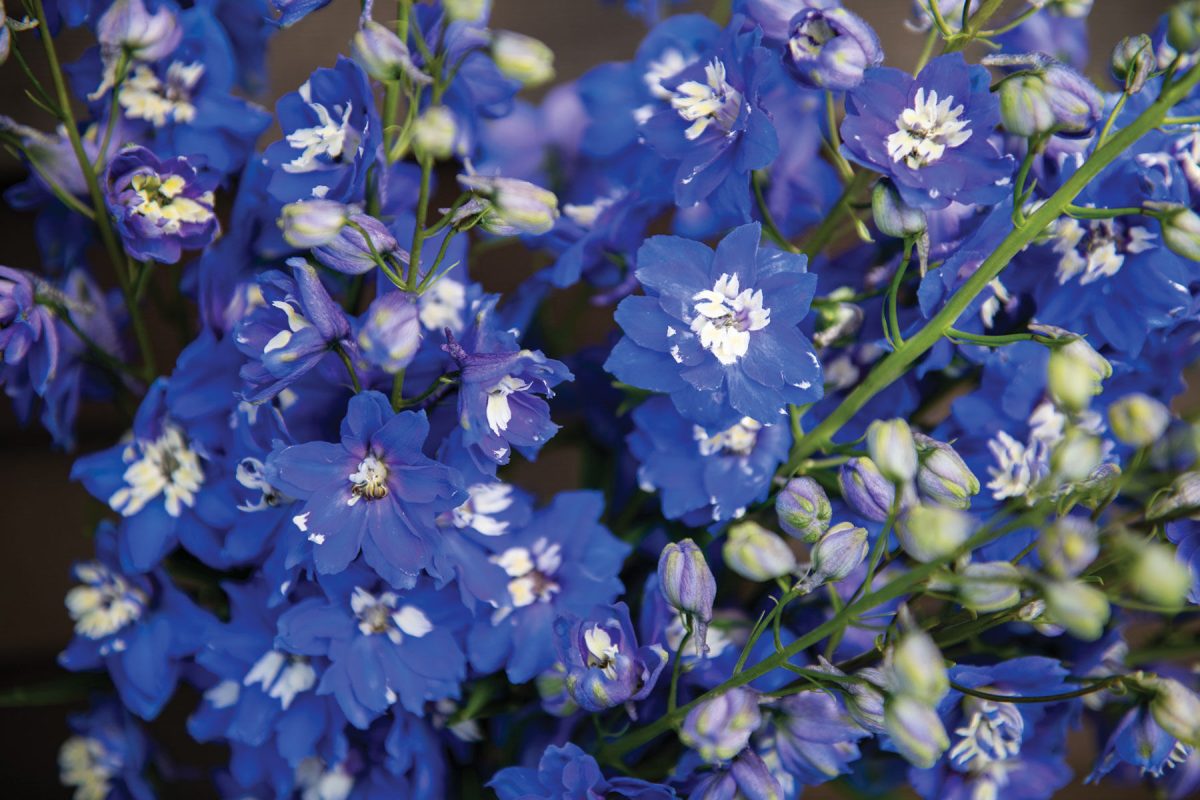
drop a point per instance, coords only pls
(898, 362)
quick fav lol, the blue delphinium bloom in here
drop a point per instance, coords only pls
(137, 627)
(291, 332)
(1141, 743)
(717, 331)
(28, 332)
(106, 754)
(705, 475)
(814, 739)
(383, 646)
(292, 11)
(500, 400)
(1185, 534)
(830, 48)
(1008, 749)
(161, 207)
(713, 123)
(332, 137)
(930, 134)
(568, 772)
(374, 491)
(563, 562)
(605, 667)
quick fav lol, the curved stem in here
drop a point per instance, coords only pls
(677, 668)
(769, 227)
(1045, 698)
(342, 354)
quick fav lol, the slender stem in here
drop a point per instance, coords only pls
(894, 291)
(1008, 26)
(342, 354)
(449, 379)
(989, 341)
(114, 109)
(769, 227)
(970, 31)
(414, 258)
(1045, 698)
(677, 668)
(433, 274)
(391, 103)
(398, 390)
(1112, 117)
(106, 358)
(931, 40)
(824, 233)
(1083, 212)
(835, 140)
(898, 362)
(1190, 120)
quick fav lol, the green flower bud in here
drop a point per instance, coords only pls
(1082, 609)
(1183, 26)
(928, 533)
(894, 217)
(892, 448)
(756, 553)
(803, 509)
(1076, 456)
(1132, 62)
(915, 730)
(918, 669)
(1175, 708)
(1180, 499)
(942, 475)
(523, 58)
(1071, 379)
(1138, 419)
(435, 132)
(989, 586)
(1158, 576)
(1068, 546)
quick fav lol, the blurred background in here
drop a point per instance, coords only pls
(46, 520)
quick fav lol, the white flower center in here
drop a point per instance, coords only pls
(705, 103)
(296, 322)
(1096, 248)
(370, 480)
(992, 733)
(163, 202)
(85, 763)
(317, 782)
(282, 676)
(725, 318)
(499, 414)
(165, 466)
(384, 614)
(601, 651)
(442, 306)
(531, 572)
(666, 66)
(479, 512)
(105, 603)
(736, 440)
(329, 137)
(250, 474)
(924, 131)
(145, 96)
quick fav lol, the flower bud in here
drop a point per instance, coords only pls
(350, 253)
(1072, 380)
(720, 728)
(1081, 609)
(839, 552)
(803, 509)
(1024, 108)
(865, 701)
(1183, 26)
(1098, 487)
(128, 26)
(830, 48)
(918, 669)
(1158, 576)
(1132, 62)
(866, 490)
(756, 553)
(989, 586)
(916, 730)
(752, 777)
(942, 475)
(1180, 499)
(892, 448)
(391, 331)
(523, 58)
(1180, 229)
(894, 217)
(688, 584)
(517, 206)
(312, 223)
(1046, 97)
(928, 533)
(1076, 456)
(384, 55)
(1138, 419)
(467, 10)
(1175, 708)
(1068, 546)
(435, 132)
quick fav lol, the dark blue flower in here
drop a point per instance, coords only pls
(568, 773)
(161, 207)
(717, 331)
(605, 667)
(375, 491)
(929, 134)
(106, 755)
(830, 48)
(28, 333)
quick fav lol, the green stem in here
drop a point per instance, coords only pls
(769, 227)
(931, 40)
(824, 233)
(445, 380)
(1084, 212)
(398, 390)
(1191, 120)
(1112, 117)
(894, 292)
(898, 362)
(989, 341)
(391, 103)
(342, 354)
(414, 258)
(677, 668)
(114, 109)
(970, 31)
(1045, 698)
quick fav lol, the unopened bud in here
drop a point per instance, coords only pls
(918, 669)
(1138, 419)
(391, 331)
(1132, 62)
(928, 533)
(1183, 26)
(350, 252)
(467, 10)
(989, 586)
(312, 223)
(839, 552)
(866, 489)
(894, 217)
(892, 448)
(1082, 609)
(1076, 456)
(688, 584)
(384, 55)
(803, 509)
(517, 206)
(1180, 229)
(1180, 499)
(756, 553)
(523, 58)
(128, 26)
(916, 730)
(435, 132)
(1072, 380)
(1048, 97)
(1068, 546)
(1158, 576)
(1176, 708)
(942, 475)
(720, 728)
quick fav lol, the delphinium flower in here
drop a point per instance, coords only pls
(813, 737)
(704, 475)
(374, 491)
(383, 646)
(930, 134)
(605, 666)
(106, 755)
(28, 332)
(567, 771)
(829, 48)
(161, 207)
(138, 627)
(718, 330)
(500, 400)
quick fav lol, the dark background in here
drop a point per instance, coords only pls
(45, 520)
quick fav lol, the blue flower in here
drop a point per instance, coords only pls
(106, 754)
(814, 738)
(332, 137)
(384, 646)
(830, 48)
(705, 475)
(28, 333)
(605, 667)
(1139, 741)
(291, 332)
(500, 403)
(139, 628)
(374, 491)
(717, 331)
(1185, 534)
(568, 773)
(563, 562)
(292, 11)
(713, 124)
(929, 134)
(161, 207)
